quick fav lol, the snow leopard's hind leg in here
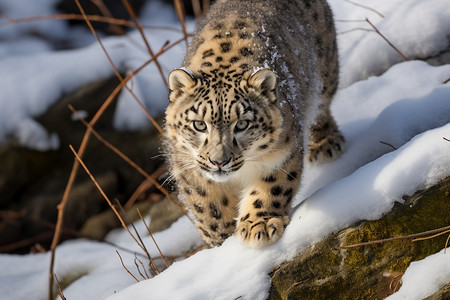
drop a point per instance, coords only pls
(326, 142)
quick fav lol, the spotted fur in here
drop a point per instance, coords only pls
(258, 75)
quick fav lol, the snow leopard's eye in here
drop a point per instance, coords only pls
(241, 125)
(200, 126)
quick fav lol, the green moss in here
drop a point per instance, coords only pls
(357, 273)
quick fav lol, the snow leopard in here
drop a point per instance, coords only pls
(251, 102)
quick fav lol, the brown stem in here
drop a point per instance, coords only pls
(390, 44)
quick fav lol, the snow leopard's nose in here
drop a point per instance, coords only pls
(220, 164)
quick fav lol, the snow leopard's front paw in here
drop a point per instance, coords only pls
(261, 232)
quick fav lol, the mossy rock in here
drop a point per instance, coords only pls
(366, 272)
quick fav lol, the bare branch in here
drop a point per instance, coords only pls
(390, 44)
(365, 7)
(123, 265)
(387, 144)
(147, 44)
(412, 236)
(61, 294)
(151, 235)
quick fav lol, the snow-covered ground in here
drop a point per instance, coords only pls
(408, 106)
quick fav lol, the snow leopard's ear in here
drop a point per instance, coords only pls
(264, 82)
(180, 81)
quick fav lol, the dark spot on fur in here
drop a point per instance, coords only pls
(276, 190)
(253, 193)
(288, 192)
(215, 212)
(213, 227)
(206, 64)
(225, 201)
(208, 53)
(225, 47)
(240, 25)
(244, 35)
(198, 208)
(276, 204)
(205, 233)
(270, 178)
(234, 59)
(258, 203)
(200, 191)
(245, 51)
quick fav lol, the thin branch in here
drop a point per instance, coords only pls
(139, 268)
(123, 265)
(125, 158)
(197, 9)
(431, 237)
(141, 243)
(446, 139)
(390, 44)
(412, 236)
(349, 21)
(355, 29)
(141, 31)
(116, 71)
(136, 260)
(365, 7)
(446, 81)
(106, 12)
(151, 235)
(179, 8)
(79, 17)
(61, 294)
(446, 243)
(387, 144)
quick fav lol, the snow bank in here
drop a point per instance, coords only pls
(419, 29)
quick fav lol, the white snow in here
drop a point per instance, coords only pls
(423, 278)
(417, 28)
(407, 107)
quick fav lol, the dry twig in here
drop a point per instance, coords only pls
(79, 17)
(390, 44)
(140, 243)
(179, 8)
(61, 294)
(151, 235)
(116, 71)
(147, 44)
(412, 236)
(123, 265)
(136, 260)
(126, 159)
(387, 144)
(365, 7)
